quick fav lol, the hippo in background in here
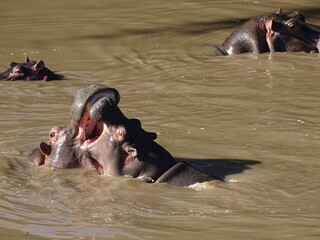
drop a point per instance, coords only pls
(293, 37)
(276, 32)
(101, 138)
(30, 71)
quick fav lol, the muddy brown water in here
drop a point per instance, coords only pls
(253, 119)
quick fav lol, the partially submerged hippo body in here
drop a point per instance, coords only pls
(101, 138)
(276, 32)
(29, 70)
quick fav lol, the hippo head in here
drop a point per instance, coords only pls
(88, 128)
(28, 70)
(63, 149)
(117, 143)
(290, 33)
(273, 32)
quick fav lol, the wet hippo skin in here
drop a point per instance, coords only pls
(276, 32)
(29, 70)
(101, 138)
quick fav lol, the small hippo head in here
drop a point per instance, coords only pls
(28, 70)
(60, 152)
(63, 151)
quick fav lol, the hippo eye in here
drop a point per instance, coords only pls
(292, 24)
(52, 134)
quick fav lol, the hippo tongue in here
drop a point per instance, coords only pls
(87, 143)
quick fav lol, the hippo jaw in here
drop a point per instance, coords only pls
(104, 135)
(106, 144)
(108, 139)
(89, 130)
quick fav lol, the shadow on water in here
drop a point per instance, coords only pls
(209, 26)
(201, 27)
(221, 168)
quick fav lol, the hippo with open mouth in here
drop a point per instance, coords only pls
(103, 139)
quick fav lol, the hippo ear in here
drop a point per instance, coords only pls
(131, 151)
(273, 25)
(37, 156)
(152, 135)
(279, 11)
(39, 65)
(27, 60)
(45, 149)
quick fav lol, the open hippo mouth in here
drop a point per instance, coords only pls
(92, 131)
(89, 129)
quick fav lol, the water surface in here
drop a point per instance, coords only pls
(252, 119)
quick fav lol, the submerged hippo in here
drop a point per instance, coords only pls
(276, 32)
(28, 70)
(101, 138)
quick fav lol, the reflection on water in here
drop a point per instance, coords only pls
(251, 119)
